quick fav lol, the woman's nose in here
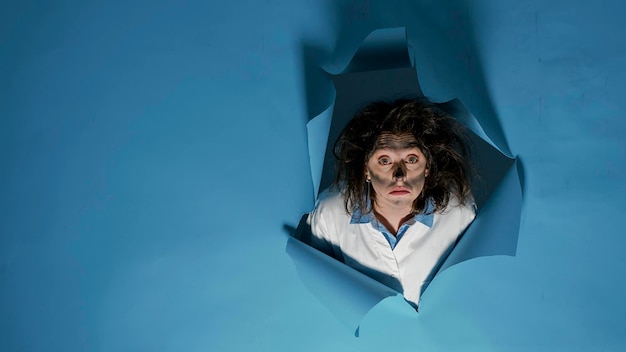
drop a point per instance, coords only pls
(399, 173)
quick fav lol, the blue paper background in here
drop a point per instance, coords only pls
(151, 154)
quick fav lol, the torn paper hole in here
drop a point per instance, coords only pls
(382, 69)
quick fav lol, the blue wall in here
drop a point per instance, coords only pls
(152, 154)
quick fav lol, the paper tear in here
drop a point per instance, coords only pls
(382, 68)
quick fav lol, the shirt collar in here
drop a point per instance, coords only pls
(426, 217)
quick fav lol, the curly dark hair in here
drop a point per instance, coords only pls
(439, 136)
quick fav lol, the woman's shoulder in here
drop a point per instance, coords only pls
(456, 207)
(331, 201)
(328, 218)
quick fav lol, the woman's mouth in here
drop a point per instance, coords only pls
(399, 191)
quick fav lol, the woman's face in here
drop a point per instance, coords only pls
(397, 171)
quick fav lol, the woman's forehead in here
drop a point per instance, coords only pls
(395, 141)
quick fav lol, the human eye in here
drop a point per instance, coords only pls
(412, 159)
(384, 161)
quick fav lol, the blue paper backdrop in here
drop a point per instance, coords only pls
(152, 152)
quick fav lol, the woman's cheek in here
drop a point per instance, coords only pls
(377, 178)
(417, 181)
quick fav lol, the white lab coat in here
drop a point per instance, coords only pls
(410, 265)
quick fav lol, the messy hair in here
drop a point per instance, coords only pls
(439, 136)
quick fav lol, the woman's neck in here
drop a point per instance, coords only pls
(392, 217)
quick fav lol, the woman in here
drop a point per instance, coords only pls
(402, 195)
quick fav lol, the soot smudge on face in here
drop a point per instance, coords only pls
(395, 143)
(399, 172)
